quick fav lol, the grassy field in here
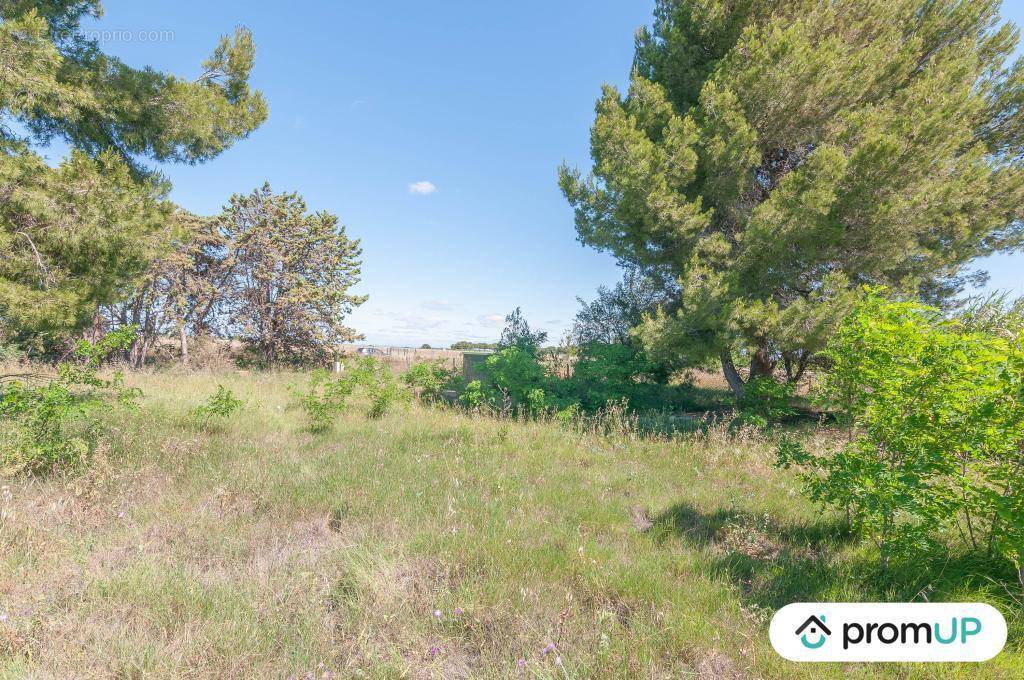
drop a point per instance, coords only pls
(428, 544)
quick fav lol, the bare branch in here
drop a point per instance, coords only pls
(44, 280)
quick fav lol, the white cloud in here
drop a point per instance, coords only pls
(422, 188)
(492, 320)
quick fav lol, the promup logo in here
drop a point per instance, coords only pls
(817, 628)
(888, 632)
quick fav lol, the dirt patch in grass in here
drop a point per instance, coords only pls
(709, 664)
(750, 538)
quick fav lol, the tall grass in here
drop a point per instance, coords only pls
(429, 543)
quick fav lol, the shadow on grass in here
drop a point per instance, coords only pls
(775, 564)
(667, 422)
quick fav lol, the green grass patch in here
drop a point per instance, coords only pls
(431, 543)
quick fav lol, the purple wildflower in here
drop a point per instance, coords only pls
(521, 663)
(437, 613)
(548, 648)
(435, 650)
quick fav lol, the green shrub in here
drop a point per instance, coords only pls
(935, 408)
(518, 335)
(385, 396)
(569, 415)
(515, 372)
(324, 399)
(60, 423)
(474, 397)
(536, 400)
(430, 378)
(45, 427)
(92, 354)
(379, 384)
(514, 380)
(765, 401)
(362, 371)
(611, 372)
(218, 407)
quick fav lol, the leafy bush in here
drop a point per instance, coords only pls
(765, 401)
(364, 371)
(219, 406)
(379, 384)
(516, 380)
(536, 400)
(935, 408)
(521, 378)
(60, 423)
(95, 353)
(515, 374)
(385, 396)
(569, 415)
(611, 372)
(430, 378)
(513, 381)
(326, 397)
(474, 397)
(324, 400)
(44, 427)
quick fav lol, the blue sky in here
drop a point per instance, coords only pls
(433, 130)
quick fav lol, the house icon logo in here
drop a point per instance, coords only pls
(953, 632)
(817, 630)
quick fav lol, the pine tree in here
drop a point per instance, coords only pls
(291, 272)
(776, 155)
(75, 236)
(181, 292)
(517, 334)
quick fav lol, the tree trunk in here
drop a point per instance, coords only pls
(761, 364)
(796, 365)
(732, 376)
(800, 368)
(144, 353)
(136, 351)
(97, 325)
(183, 339)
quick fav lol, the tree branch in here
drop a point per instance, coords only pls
(44, 280)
